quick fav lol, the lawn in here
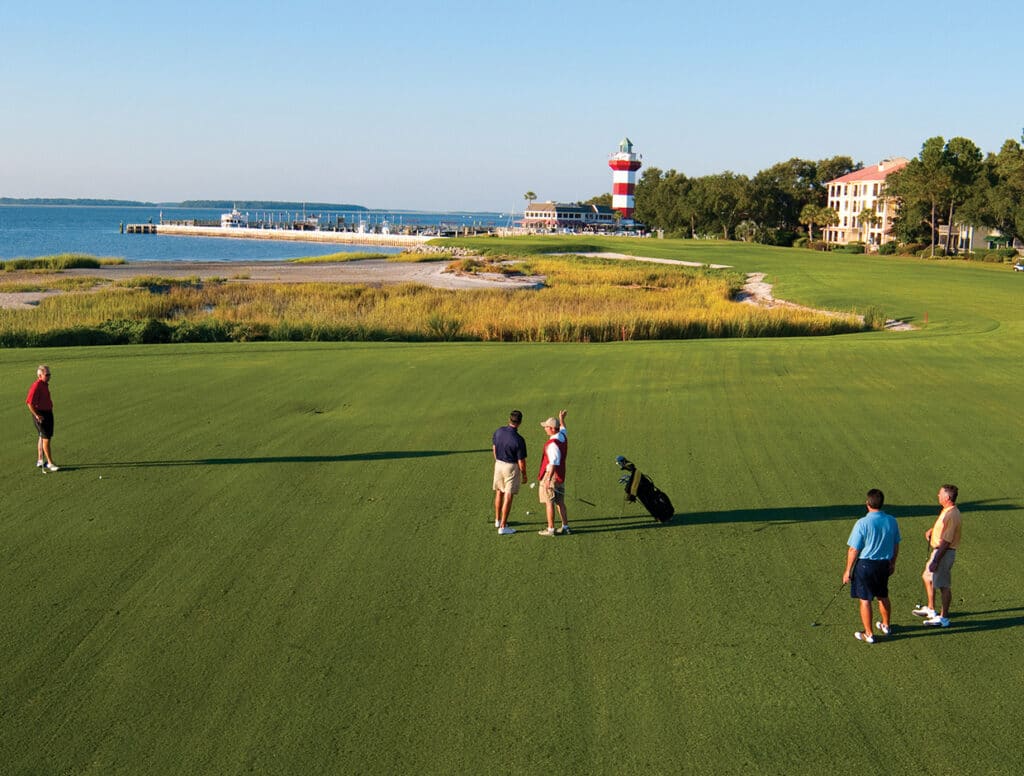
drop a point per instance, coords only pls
(280, 557)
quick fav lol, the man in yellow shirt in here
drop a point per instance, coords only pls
(944, 539)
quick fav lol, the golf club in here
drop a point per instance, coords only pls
(832, 600)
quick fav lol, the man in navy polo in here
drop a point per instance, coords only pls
(509, 469)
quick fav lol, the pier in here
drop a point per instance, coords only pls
(299, 235)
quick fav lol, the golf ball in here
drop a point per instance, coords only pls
(533, 484)
(529, 512)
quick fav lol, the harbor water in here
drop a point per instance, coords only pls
(28, 231)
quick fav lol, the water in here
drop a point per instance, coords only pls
(43, 230)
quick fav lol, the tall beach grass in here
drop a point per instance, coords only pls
(584, 300)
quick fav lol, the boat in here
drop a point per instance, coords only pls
(234, 220)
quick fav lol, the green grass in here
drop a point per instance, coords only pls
(289, 565)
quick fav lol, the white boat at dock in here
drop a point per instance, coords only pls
(234, 220)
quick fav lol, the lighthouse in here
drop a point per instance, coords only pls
(624, 165)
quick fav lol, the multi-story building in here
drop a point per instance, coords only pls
(549, 216)
(856, 192)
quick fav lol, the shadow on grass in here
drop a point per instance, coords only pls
(965, 622)
(380, 455)
(773, 516)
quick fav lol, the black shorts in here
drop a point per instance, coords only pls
(45, 424)
(870, 580)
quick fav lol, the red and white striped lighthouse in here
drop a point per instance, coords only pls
(624, 165)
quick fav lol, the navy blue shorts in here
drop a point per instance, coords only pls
(870, 580)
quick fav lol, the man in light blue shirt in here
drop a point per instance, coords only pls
(871, 554)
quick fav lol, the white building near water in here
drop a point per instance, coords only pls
(856, 192)
(551, 216)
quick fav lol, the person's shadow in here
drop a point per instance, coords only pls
(963, 622)
(635, 518)
(378, 455)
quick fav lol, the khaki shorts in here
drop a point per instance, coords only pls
(507, 477)
(942, 576)
(552, 495)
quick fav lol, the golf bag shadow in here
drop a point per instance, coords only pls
(640, 487)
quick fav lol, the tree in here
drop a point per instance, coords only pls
(725, 198)
(867, 218)
(601, 199)
(962, 159)
(924, 181)
(827, 217)
(778, 194)
(809, 214)
(529, 197)
(1004, 195)
(645, 197)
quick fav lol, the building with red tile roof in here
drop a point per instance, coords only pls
(855, 192)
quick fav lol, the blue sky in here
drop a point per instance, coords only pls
(465, 106)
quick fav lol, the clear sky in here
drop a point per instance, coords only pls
(462, 105)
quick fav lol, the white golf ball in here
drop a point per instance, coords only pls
(529, 512)
(533, 484)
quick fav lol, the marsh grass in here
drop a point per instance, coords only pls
(334, 258)
(416, 256)
(32, 283)
(585, 300)
(58, 262)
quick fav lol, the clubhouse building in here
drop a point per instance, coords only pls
(558, 216)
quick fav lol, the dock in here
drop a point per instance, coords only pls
(298, 235)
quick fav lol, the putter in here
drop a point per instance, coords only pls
(832, 600)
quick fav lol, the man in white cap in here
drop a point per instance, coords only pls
(552, 474)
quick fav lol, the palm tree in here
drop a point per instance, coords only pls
(529, 197)
(810, 215)
(868, 218)
(822, 216)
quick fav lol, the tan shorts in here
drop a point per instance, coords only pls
(942, 576)
(552, 495)
(507, 477)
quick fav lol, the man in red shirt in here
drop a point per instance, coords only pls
(552, 474)
(41, 406)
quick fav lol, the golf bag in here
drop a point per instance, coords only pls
(640, 487)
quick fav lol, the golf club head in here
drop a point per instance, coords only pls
(620, 461)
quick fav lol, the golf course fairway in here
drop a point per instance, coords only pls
(280, 558)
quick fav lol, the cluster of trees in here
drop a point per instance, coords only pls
(950, 182)
(771, 207)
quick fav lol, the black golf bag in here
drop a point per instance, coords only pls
(640, 487)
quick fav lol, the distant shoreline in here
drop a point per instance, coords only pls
(188, 204)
